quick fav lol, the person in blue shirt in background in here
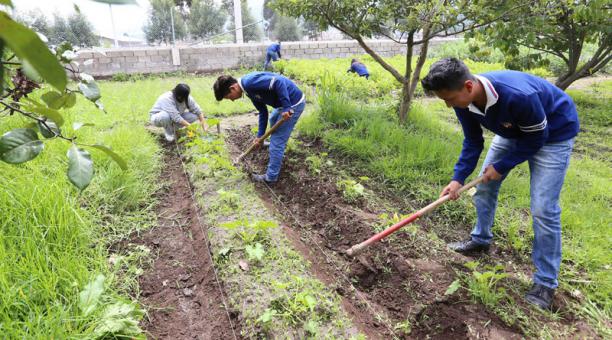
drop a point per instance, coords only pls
(359, 68)
(266, 88)
(273, 53)
(533, 121)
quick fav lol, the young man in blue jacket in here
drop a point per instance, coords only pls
(359, 68)
(265, 88)
(533, 121)
(273, 53)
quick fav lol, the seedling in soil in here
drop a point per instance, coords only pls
(483, 285)
(229, 198)
(351, 190)
(256, 252)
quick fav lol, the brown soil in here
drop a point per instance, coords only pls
(180, 290)
(404, 283)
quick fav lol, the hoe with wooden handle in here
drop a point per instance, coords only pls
(266, 135)
(356, 249)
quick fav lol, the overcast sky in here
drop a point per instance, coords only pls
(129, 19)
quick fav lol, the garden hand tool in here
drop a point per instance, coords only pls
(356, 249)
(266, 135)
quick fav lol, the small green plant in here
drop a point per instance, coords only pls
(317, 162)
(484, 285)
(403, 327)
(229, 198)
(256, 252)
(351, 190)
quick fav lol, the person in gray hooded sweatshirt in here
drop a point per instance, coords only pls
(176, 109)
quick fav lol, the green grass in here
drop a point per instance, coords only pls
(381, 82)
(135, 98)
(416, 160)
(53, 240)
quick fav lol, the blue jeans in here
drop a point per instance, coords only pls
(547, 168)
(270, 56)
(279, 138)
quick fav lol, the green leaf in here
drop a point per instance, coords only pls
(213, 121)
(255, 253)
(90, 295)
(80, 167)
(55, 100)
(78, 125)
(109, 152)
(28, 47)
(453, 287)
(90, 90)
(70, 100)
(52, 114)
(267, 316)
(51, 131)
(20, 145)
(6, 2)
(119, 320)
(30, 72)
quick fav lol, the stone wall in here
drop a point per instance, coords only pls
(218, 57)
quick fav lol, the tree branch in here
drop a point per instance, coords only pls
(36, 118)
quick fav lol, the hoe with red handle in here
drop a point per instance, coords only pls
(356, 249)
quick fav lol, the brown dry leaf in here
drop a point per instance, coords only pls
(244, 265)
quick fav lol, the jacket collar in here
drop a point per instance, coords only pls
(490, 92)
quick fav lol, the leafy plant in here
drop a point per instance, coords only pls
(255, 252)
(28, 62)
(351, 189)
(484, 285)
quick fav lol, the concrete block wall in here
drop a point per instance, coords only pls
(218, 57)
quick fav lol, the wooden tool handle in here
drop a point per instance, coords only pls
(266, 135)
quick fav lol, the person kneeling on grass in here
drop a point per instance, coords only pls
(265, 88)
(534, 121)
(175, 109)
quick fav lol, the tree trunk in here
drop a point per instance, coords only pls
(405, 102)
(416, 74)
(406, 93)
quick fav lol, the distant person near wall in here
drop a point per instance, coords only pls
(359, 68)
(273, 53)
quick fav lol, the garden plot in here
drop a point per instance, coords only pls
(406, 282)
(180, 290)
(268, 285)
(420, 288)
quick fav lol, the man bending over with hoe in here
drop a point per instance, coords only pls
(533, 121)
(265, 88)
(176, 109)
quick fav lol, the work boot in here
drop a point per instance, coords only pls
(261, 178)
(468, 247)
(540, 296)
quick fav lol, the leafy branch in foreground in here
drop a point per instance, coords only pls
(27, 65)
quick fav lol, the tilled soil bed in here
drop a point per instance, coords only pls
(396, 286)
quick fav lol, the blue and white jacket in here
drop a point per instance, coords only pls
(275, 47)
(266, 88)
(519, 106)
(359, 68)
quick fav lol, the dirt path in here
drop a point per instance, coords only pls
(180, 290)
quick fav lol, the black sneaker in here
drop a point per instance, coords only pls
(540, 296)
(261, 179)
(468, 247)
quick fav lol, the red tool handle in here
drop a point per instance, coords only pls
(356, 249)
